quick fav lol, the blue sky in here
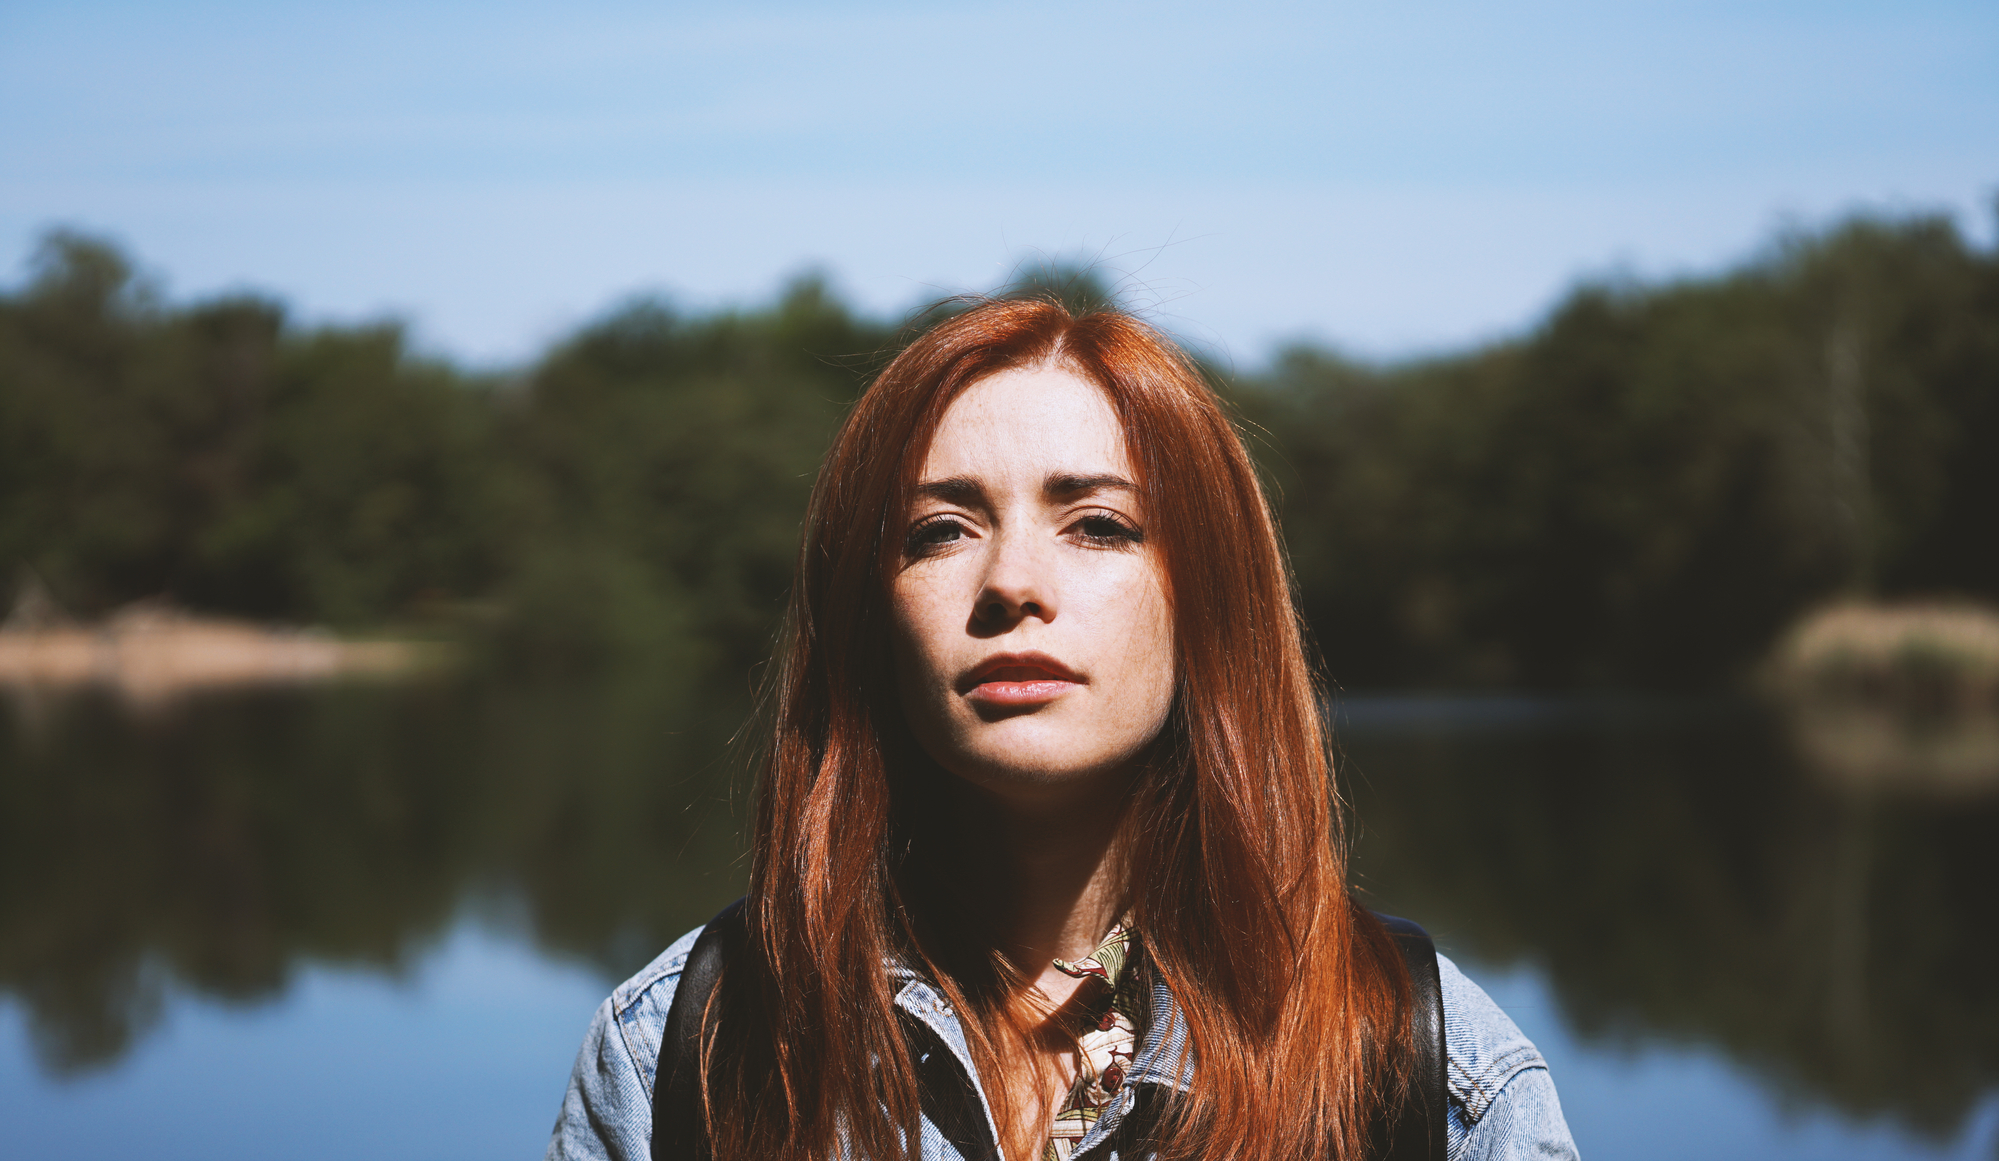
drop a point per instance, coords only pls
(1391, 178)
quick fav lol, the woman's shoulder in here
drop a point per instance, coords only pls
(607, 1109)
(1486, 1048)
(640, 1004)
(1503, 1101)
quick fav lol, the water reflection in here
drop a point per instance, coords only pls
(225, 844)
(1678, 871)
(1682, 875)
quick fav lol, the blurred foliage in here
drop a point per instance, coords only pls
(665, 464)
(1644, 490)
(211, 455)
(1647, 488)
(635, 495)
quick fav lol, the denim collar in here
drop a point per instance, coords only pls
(1164, 1058)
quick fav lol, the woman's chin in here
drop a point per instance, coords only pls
(1038, 762)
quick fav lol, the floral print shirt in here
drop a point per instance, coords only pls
(1108, 1000)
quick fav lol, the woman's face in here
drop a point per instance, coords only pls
(1033, 642)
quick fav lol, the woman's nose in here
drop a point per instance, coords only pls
(1016, 585)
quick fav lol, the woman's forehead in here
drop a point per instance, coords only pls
(1028, 422)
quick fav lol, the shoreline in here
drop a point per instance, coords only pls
(150, 654)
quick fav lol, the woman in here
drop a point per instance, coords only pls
(1046, 809)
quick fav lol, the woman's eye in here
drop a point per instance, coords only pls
(1108, 531)
(932, 534)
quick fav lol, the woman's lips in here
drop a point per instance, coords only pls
(1022, 692)
(1020, 679)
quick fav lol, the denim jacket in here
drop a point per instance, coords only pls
(1502, 1103)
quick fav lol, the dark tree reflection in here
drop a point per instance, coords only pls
(1681, 876)
(225, 843)
(1672, 867)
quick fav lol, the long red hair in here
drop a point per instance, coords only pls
(1234, 852)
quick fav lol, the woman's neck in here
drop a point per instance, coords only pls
(1043, 870)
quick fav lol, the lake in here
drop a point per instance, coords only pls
(373, 920)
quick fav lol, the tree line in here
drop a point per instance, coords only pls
(1642, 489)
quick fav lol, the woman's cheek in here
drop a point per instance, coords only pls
(924, 624)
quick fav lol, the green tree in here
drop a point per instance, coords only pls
(1652, 484)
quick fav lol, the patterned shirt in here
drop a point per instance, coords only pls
(1107, 999)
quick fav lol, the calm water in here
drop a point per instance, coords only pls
(374, 922)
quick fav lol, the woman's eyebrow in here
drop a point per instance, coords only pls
(963, 491)
(1067, 486)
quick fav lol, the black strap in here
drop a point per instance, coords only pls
(679, 1132)
(1415, 1131)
